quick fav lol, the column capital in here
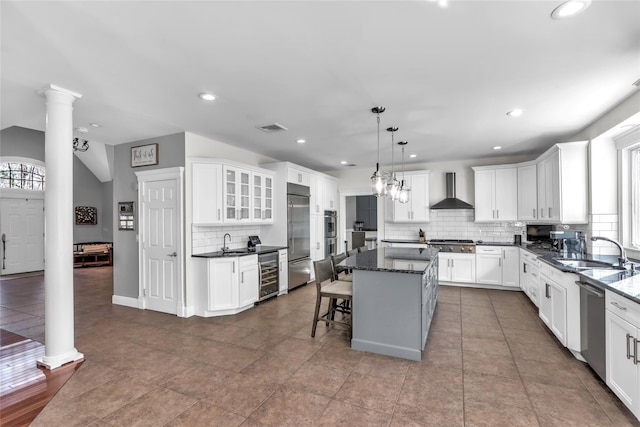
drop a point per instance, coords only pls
(56, 88)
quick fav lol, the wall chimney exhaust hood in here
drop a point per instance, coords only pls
(451, 202)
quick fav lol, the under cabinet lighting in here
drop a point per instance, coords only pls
(515, 112)
(570, 8)
(497, 147)
(207, 96)
(413, 156)
(344, 162)
(301, 141)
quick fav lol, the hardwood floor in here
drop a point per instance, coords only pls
(26, 388)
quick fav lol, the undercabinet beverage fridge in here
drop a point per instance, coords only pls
(298, 235)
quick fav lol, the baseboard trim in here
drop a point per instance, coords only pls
(126, 301)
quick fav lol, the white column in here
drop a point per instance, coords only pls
(58, 223)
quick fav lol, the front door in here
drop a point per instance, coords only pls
(22, 231)
(161, 251)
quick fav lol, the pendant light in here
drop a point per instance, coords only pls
(393, 186)
(378, 179)
(403, 192)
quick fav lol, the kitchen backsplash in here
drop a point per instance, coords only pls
(210, 239)
(455, 224)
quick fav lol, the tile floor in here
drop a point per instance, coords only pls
(489, 361)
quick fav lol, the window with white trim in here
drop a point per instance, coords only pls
(22, 175)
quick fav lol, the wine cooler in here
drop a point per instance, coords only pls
(269, 285)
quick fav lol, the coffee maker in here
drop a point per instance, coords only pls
(569, 243)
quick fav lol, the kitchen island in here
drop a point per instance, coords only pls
(395, 291)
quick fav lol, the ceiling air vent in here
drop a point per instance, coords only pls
(274, 127)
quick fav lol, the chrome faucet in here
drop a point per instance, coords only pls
(622, 259)
(224, 242)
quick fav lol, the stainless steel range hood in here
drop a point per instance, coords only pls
(451, 202)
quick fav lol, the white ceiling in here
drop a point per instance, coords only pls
(447, 76)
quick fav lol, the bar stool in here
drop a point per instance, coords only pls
(363, 248)
(352, 252)
(334, 290)
(337, 269)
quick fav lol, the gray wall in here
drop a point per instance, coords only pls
(171, 153)
(22, 142)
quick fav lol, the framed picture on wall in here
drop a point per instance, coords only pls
(86, 215)
(144, 155)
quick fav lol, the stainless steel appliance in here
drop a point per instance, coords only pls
(298, 235)
(592, 327)
(453, 245)
(269, 279)
(330, 233)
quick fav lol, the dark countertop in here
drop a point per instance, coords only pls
(262, 249)
(623, 282)
(483, 243)
(386, 259)
(404, 241)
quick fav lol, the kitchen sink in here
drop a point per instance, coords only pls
(586, 264)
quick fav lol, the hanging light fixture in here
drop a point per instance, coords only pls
(403, 191)
(378, 179)
(78, 147)
(393, 186)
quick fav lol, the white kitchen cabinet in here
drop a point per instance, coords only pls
(249, 280)
(409, 265)
(553, 308)
(330, 194)
(262, 194)
(316, 228)
(527, 193)
(562, 184)
(298, 176)
(227, 193)
(529, 274)
(316, 197)
(230, 284)
(283, 271)
(459, 268)
(206, 196)
(496, 193)
(237, 194)
(417, 209)
(622, 331)
(497, 265)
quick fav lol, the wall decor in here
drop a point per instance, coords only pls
(126, 216)
(144, 155)
(86, 215)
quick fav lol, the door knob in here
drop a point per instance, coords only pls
(174, 254)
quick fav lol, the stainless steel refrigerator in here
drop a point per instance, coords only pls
(298, 235)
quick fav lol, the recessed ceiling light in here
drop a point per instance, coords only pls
(82, 130)
(95, 125)
(413, 156)
(515, 113)
(497, 147)
(344, 162)
(207, 96)
(570, 8)
(301, 141)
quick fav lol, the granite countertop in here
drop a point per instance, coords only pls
(623, 282)
(396, 260)
(404, 241)
(262, 249)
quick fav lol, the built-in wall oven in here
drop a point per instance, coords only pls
(330, 233)
(269, 279)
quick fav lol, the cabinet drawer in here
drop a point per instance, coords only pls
(247, 260)
(488, 250)
(623, 307)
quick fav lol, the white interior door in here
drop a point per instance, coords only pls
(161, 256)
(22, 228)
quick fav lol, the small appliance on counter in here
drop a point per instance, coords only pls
(253, 242)
(358, 226)
(570, 243)
(421, 235)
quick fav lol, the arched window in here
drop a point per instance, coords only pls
(25, 176)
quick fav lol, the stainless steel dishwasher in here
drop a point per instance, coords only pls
(592, 327)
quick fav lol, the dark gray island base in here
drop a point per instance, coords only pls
(395, 291)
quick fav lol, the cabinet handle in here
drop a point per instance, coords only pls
(299, 177)
(618, 306)
(541, 213)
(524, 267)
(534, 212)
(242, 277)
(628, 347)
(233, 267)
(451, 263)
(497, 213)
(635, 352)
(549, 212)
(499, 262)
(493, 213)
(546, 291)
